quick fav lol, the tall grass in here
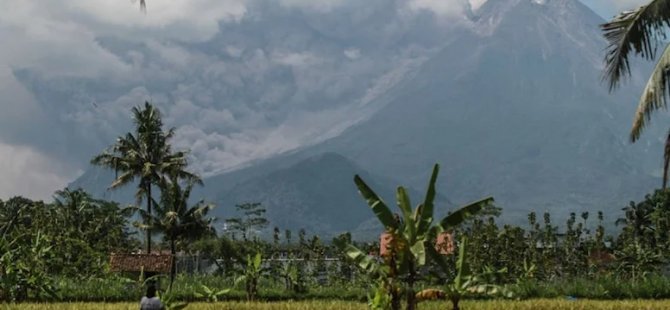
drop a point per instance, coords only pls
(536, 304)
(604, 287)
(117, 289)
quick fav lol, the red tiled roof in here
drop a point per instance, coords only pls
(140, 262)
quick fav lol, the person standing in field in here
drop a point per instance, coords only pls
(151, 301)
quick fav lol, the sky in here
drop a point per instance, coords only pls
(70, 70)
(609, 8)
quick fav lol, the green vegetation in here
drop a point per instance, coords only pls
(546, 304)
(408, 240)
(59, 251)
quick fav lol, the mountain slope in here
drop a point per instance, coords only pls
(317, 194)
(514, 109)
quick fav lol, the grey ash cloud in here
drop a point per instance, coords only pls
(240, 79)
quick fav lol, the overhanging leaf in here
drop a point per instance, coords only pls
(406, 207)
(376, 204)
(639, 31)
(654, 96)
(459, 216)
(427, 206)
(362, 260)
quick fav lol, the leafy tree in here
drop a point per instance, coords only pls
(81, 230)
(145, 155)
(252, 220)
(15, 215)
(84, 231)
(647, 221)
(636, 260)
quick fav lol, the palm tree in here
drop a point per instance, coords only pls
(637, 219)
(72, 206)
(641, 32)
(146, 155)
(176, 220)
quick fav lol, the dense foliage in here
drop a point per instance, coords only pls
(72, 237)
(60, 250)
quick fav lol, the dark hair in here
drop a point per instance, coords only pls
(151, 291)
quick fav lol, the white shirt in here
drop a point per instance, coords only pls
(152, 303)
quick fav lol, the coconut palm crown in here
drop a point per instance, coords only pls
(641, 32)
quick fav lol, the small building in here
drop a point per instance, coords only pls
(155, 263)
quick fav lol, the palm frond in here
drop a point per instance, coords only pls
(123, 179)
(654, 96)
(639, 31)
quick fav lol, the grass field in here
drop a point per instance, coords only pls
(550, 304)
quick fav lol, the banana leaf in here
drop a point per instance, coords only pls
(427, 208)
(380, 209)
(459, 216)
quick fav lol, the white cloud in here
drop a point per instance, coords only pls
(183, 19)
(172, 54)
(19, 107)
(352, 53)
(234, 98)
(234, 51)
(108, 118)
(477, 3)
(29, 173)
(54, 47)
(316, 5)
(295, 59)
(443, 8)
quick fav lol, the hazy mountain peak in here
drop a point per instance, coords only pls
(564, 15)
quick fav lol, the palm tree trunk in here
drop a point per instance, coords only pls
(173, 265)
(148, 190)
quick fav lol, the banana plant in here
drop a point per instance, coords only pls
(210, 294)
(465, 282)
(411, 234)
(380, 298)
(23, 270)
(169, 301)
(252, 273)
